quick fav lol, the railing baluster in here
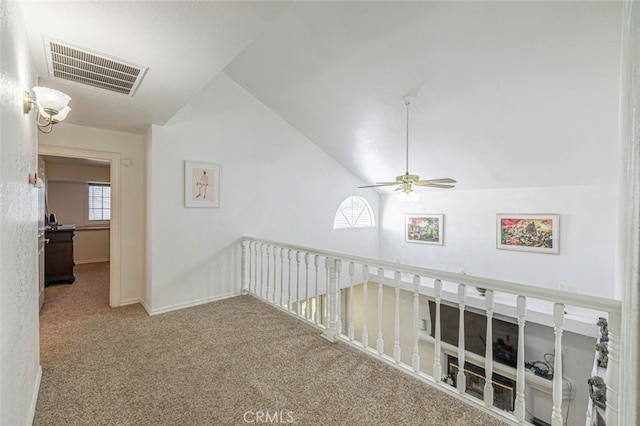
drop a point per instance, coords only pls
(275, 270)
(461, 379)
(350, 332)
(380, 341)
(297, 286)
(488, 355)
(365, 302)
(339, 302)
(437, 365)
(246, 266)
(281, 275)
(289, 281)
(520, 378)
(327, 269)
(558, 321)
(266, 295)
(306, 284)
(415, 358)
(396, 343)
(317, 298)
(254, 283)
(261, 284)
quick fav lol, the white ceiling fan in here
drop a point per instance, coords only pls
(406, 181)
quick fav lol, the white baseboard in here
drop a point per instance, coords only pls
(189, 304)
(83, 261)
(34, 397)
(129, 301)
(145, 306)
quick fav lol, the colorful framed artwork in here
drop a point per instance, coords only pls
(424, 228)
(201, 184)
(538, 233)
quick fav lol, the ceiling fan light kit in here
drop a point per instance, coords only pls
(406, 181)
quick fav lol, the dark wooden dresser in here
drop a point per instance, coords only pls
(58, 254)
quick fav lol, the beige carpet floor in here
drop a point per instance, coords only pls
(223, 363)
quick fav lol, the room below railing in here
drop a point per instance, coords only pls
(436, 326)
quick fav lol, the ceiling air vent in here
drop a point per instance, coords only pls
(93, 68)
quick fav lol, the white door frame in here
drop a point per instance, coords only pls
(114, 234)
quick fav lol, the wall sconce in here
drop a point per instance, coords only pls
(52, 106)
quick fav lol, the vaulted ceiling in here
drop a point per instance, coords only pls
(508, 94)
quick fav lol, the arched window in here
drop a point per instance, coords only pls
(354, 212)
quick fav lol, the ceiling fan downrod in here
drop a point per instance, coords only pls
(408, 100)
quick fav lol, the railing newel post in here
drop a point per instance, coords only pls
(331, 332)
(246, 267)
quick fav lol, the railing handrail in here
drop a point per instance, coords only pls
(551, 295)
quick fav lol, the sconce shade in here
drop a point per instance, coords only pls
(51, 100)
(52, 106)
(62, 114)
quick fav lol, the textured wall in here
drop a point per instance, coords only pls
(130, 149)
(19, 349)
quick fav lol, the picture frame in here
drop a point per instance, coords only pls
(201, 184)
(424, 228)
(536, 233)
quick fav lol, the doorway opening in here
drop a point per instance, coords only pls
(112, 161)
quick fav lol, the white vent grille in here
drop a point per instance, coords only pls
(93, 68)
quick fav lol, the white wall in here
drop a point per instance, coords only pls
(19, 347)
(68, 198)
(275, 184)
(127, 146)
(587, 235)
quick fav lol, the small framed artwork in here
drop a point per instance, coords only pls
(201, 184)
(539, 233)
(424, 228)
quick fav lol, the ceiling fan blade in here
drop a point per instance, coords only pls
(433, 185)
(379, 184)
(441, 180)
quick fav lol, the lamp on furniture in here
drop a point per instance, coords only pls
(52, 107)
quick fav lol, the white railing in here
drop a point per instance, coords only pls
(345, 296)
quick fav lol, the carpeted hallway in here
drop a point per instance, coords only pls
(223, 363)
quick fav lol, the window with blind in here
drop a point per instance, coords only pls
(354, 212)
(99, 202)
